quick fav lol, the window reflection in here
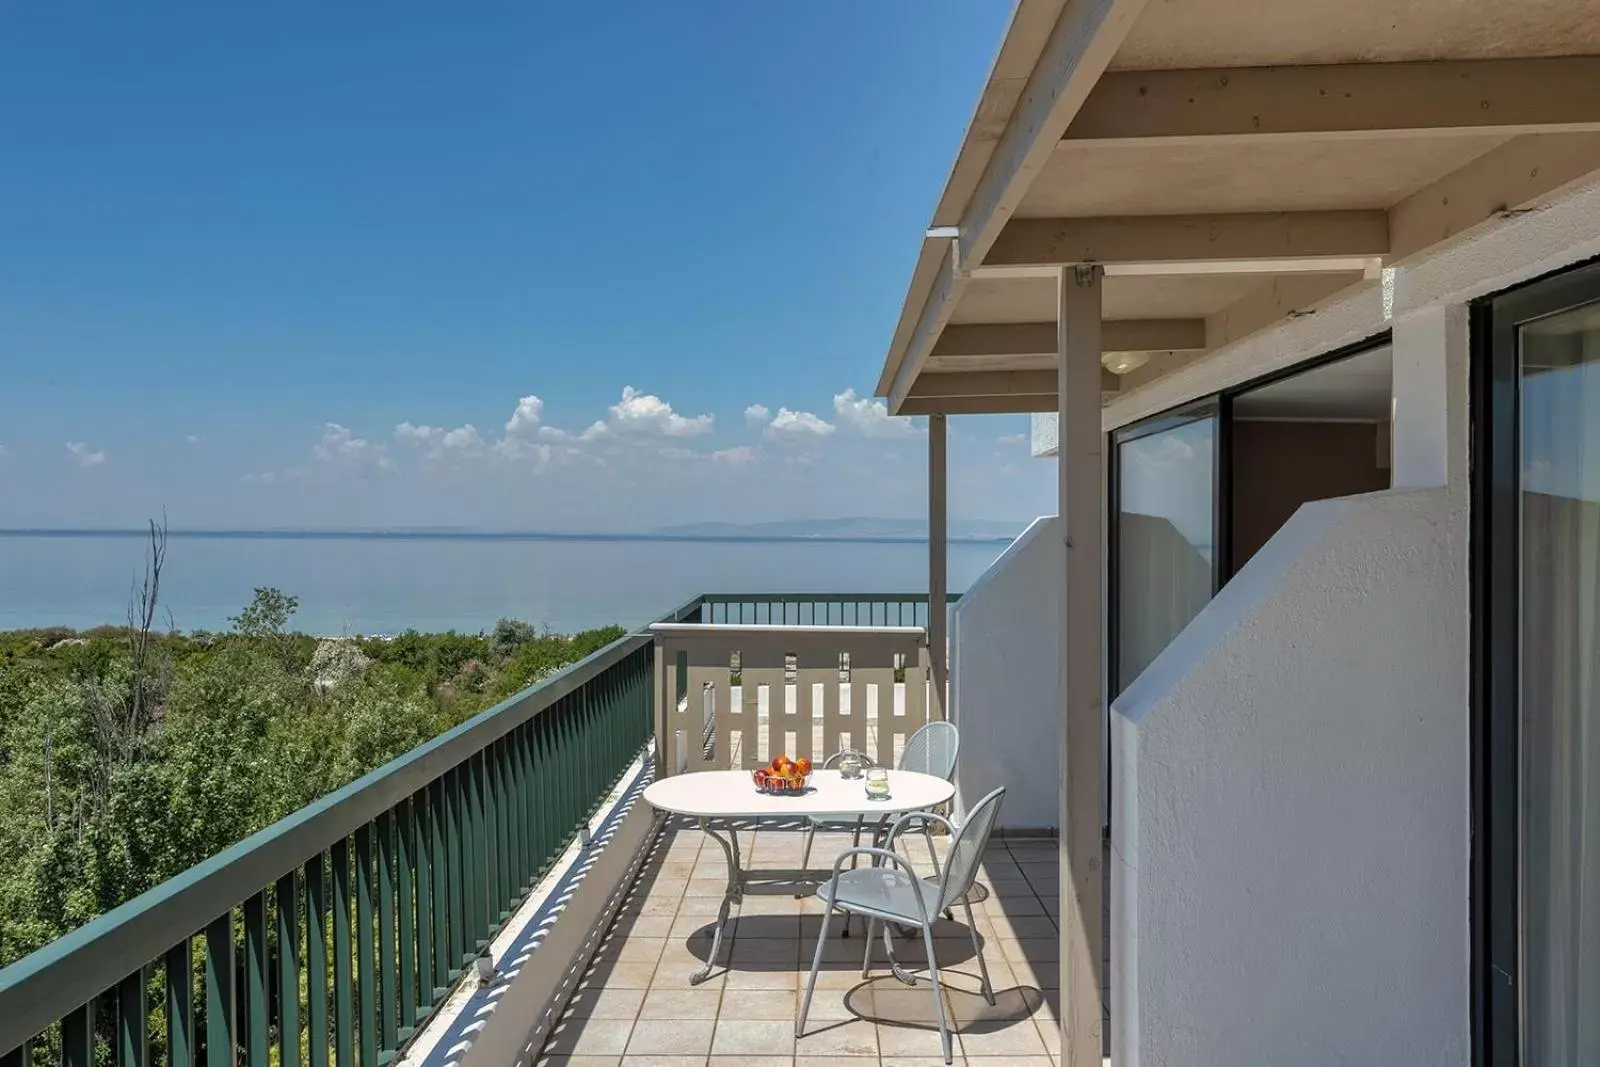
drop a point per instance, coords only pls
(1560, 678)
(1165, 555)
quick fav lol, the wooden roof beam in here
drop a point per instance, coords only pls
(1288, 240)
(1039, 338)
(1015, 404)
(1080, 46)
(997, 383)
(1254, 104)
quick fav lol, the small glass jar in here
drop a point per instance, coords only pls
(850, 766)
(877, 783)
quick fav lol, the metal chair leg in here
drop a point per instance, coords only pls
(938, 998)
(866, 956)
(927, 835)
(894, 964)
(811, 982)
(805, 856)
(983, 968)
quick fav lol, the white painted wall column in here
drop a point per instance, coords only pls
(938, 645)
(1430, 353)
(1081, 504)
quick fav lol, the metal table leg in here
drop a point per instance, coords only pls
(733, 894)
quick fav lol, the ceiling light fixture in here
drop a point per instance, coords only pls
(1123, 362)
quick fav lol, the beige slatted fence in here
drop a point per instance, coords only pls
(735, 696)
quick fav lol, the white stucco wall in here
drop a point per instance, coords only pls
(1004, 664)
(1289, 810)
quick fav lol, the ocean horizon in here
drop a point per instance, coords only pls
(387, 581)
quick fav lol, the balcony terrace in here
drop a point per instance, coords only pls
(635, 1004)
(516, 849)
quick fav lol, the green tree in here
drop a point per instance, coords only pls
(266, 619)
(508, 636)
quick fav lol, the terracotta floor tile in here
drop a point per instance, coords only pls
(690, 1003)
(676, 1037)
(838, 1039)
(758, 1004)
(753, 1037)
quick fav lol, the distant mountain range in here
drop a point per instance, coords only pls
(850, 528)
(853, 529)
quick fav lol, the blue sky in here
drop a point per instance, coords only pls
(300, 264)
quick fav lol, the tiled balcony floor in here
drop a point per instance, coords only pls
(636, 1008)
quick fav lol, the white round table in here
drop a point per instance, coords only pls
(731, 795)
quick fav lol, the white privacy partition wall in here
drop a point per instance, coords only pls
(1288, 828)
(1004, 663)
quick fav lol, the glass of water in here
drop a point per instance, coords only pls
(877, 783)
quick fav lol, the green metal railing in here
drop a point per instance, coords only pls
(816, 609)
(326, 939)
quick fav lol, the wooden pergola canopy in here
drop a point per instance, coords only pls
(1228, 165)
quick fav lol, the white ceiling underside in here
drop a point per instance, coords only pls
(1357, 135)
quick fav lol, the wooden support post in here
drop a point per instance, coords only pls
(937, 582)
(1081, 502)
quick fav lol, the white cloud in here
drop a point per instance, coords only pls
(416, 435)
(339, 445)
(1012, 439)
(464, 440)
(740, 454)
(264, 478)
(757, 415)
(192, 438)
(868, 417)
(82, 455)
(525, 420)
(640, 412)
(788, 423)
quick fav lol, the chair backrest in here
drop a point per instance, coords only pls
(966, 851)
(932, 750)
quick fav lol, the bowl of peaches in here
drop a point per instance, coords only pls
(783, 777)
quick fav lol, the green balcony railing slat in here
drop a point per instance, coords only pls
(388, 970)
(316, 962)
(439, 873)
(286, 897)
(179, 965)
(406, 869)
(455, 829)
(526, 860)
(481, 815)
(472, 857)
(367, 993)
(133, 1020)
(344, 1020)
(220, 1048)
(257, 1025)
(543, 781)
(495, 834)
(77, 1037)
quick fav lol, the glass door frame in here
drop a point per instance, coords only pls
(1219, 404)
(1215, 407)
(1495, 563)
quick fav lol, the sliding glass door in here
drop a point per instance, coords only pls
(1541, 655)
(1165, 522)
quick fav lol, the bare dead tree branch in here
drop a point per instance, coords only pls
(144, 681)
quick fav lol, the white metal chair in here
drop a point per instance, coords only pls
(891, 892)
(931, 750)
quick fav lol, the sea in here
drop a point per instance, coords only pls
(384, 583)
